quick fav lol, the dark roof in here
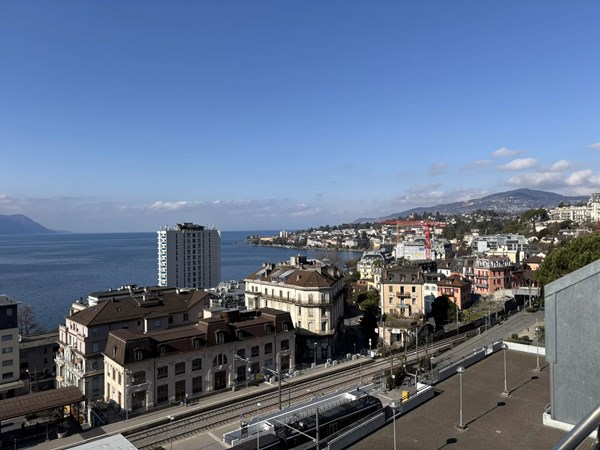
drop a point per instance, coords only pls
(121, 344)
(307, 275)
(39, 401)
(138, 307)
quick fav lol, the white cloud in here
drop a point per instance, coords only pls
(437, 168)
(170, 206)
(595, 146)
(479, 164)
(503, 152)
(579, 178)
(560, 165)
(520, 164)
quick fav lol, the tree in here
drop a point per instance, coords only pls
(442, 310)
(568, 258)
(26, 320)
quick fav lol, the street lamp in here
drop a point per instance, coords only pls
(257, 426)
(369, 346)
(537, 348)
(461, 425)
(315, 354)
(505, 393)
(393, 405)
(28, 373)
(171, 419)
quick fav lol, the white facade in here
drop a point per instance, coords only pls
(189, 256)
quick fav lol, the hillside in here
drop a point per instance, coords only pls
(20, 224)
(510, 202)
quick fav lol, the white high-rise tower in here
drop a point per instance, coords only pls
(189, 255)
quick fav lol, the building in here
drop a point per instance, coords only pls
(227, 348)
(402, 291)
(189, 256)
(572, 349)
(580, 213)
(313, 294)
(457, 289)
(37, 368)
(492, 273)
(500, 242)
(10, 384)
(79, 360)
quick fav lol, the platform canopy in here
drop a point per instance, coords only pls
(39, 401)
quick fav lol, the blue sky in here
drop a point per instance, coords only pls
(126, 116)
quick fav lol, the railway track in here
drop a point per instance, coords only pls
(298, 391)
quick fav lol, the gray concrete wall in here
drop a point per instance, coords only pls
(573, 343)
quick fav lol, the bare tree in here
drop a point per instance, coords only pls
(26, 321)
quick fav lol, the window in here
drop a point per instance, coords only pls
(7, 350)
(7, 375)
(162, 349)
(391, 300)
(286, 327)
(137, 377)
(196, 342)
(197, 385)
(196, 364)
(285, 344)
(323, 326)
(219, 360)
(95, 347)
(7, 337)
(268, 348)
(162, 393)
(254, 351)
(186, 316)
(7, 362)
(414, 289)
(220, 338)
(391, 288)
(179, 368)
(241, 352)
(162, 372)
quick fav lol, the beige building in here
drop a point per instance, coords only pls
(402, 291)
(79, 359)
(231, 348)
(311, 292)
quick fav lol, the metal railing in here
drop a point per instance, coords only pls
(581, 431)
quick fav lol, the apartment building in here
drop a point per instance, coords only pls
(313, 294)
(402, 291)
(189, 256)
(492, 273)
(10, 384)
(79, 359)
(37, 367)
(457, 289)
(219, 352)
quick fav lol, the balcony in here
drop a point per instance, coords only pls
(403, 294)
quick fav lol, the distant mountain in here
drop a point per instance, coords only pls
(510, 202)
(20, 224)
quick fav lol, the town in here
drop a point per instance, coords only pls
(133, 350)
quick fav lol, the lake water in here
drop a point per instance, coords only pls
(50, 271)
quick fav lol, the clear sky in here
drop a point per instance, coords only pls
(130, 115)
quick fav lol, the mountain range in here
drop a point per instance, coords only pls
(20, 224)
(510, 202)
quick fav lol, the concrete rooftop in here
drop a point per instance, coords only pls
(493, 421)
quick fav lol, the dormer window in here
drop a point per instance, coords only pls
(196, 342)
(162, 349)
(269, 328)
(239, 334)
(220, 337)
(286, 327)
(138, 355)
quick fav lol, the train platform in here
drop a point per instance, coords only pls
(213, 439)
